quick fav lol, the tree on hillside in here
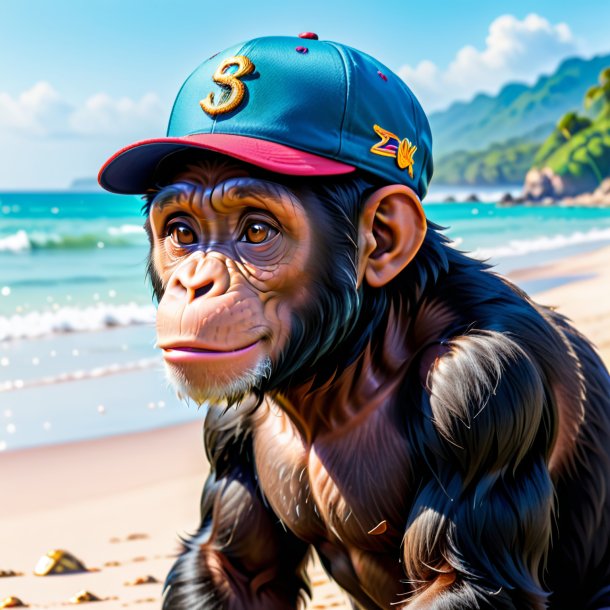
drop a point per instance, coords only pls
(570, 124)
(601, 93)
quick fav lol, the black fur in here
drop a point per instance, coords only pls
(520, 531)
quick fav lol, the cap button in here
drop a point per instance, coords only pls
(309, 35)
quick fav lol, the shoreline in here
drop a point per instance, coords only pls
(512, 195)
(583, 295)
(120, 502)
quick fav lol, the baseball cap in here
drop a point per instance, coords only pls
(292, 105)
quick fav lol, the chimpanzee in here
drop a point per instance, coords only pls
(374, 394)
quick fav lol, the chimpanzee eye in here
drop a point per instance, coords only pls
(258, 232)
(181, 234)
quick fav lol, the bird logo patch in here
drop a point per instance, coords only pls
(391, 145)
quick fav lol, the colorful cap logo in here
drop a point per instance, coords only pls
(296, 106)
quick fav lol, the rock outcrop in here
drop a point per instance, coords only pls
(543, 184)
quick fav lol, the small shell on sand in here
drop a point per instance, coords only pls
(137, 536)
(141, 580)
(12, 602)
(83, 597)
(139, 559)
(58, 562)
(129, 538)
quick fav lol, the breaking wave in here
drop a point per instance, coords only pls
(518, 247)
(73, 319)
(80, 375)
(26, 241)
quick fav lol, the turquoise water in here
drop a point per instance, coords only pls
(61, 250)
(70, 251)
(72, 264)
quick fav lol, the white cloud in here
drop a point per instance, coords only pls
(39, 111)
(42, 112)
(514, 51)
(103, 115)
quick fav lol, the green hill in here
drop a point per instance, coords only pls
(518, 111)
(505, 163)
(585, 156)
(577, 153)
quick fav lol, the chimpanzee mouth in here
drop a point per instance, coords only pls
(206, 350)
(186, 351)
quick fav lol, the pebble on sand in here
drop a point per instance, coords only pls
(58, 562)
(12, 602)
(83, 597)
(141, 580)
(137, 536)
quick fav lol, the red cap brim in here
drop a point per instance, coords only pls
(131, 170)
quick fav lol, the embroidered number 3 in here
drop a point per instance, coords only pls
(234, 88)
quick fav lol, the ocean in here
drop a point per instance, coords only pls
(77, 356)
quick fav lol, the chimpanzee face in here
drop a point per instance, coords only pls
(259, 277)
(233, 254)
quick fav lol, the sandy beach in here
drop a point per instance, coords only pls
(120, 503)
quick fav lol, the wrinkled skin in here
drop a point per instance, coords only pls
(250, 288)
(421, 452)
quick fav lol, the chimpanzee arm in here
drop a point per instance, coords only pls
(241, 558)
(481, 525)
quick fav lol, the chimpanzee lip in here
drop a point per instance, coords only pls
(200, 349)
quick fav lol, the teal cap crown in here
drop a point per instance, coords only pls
(295, 106)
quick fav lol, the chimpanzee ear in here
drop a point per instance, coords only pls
(391, 230)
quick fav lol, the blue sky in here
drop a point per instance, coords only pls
(80, 79)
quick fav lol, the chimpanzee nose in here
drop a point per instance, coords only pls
(199, 292)
(200, 275)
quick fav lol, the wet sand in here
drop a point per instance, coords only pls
(582, 293)
(119, 503)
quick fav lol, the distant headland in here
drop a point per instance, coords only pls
(84, 185)
(552, 137)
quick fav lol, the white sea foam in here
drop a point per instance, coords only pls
(519, 247)
(17, 242)
(462, 194)
(80, 375)
(126, 230)
(24, 241)
(73, 319)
